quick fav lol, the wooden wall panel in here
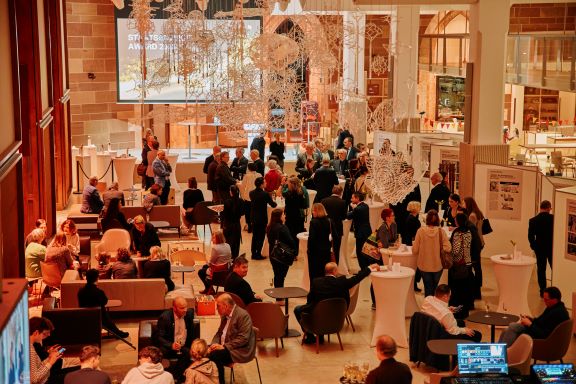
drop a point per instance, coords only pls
(11, 234)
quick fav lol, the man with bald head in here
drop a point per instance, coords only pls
(389, 371)
(216, 149)
(438, 193)
(176, 333)
(235, 341)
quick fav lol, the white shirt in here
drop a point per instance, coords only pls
(247, 184)
(440, 311)
(225, 330)
(180, 331)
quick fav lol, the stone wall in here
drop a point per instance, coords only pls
(540, 17)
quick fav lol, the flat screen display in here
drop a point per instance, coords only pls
(482, 358)
(15, 346)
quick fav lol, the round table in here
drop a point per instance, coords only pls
(102, 163)
(124, 167)
(513, 276)
(404, 256)
(492, 319)
(173, 160)
(391, 289)
(344, 262)
(303, 252)
(375, 211)
(311, 196)
(183, 269)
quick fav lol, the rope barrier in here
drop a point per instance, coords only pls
(80, 168)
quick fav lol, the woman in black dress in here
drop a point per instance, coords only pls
(296, 203)
(452, 211)
(113, 217)
(157, 267)
(277, 149)
(191, 197)
(278, 231)
(460, 276)
(319, 243)
(233, 211)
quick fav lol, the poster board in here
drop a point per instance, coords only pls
(563, 265)
(570, 250)
(504, 194)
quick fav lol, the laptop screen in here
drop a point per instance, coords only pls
(548, 373)
(482, 358)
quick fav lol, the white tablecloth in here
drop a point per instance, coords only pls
(86, 166)
(391, 289)
(303, 254)
(124, 167)
(375, 212)
(405, 257)
(173, 160)
(513, 277)
(344, 262)
(102, 163)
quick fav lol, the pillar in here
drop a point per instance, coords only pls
(353, 56)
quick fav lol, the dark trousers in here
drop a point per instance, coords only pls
(247, 209)
(165, 192)
(417, 278)
(148, 182)
(336, 243)
(221, 357)
(203, 275)
(215, 196)
(431, 280)
(108, 323)
(541, 259)
(258, 235)
(477, 269)
(280, 272)
(233, 237)
(461, 294)
(182, 362)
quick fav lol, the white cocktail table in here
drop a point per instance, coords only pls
(513, 277)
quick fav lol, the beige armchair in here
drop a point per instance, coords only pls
(520, 354)
(112, 240)
(555, 346)
(270, 321)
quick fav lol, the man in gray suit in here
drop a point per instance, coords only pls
(235, 341)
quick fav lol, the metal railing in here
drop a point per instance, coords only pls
(447, 54)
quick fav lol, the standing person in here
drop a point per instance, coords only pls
(40, 370)
(430, 240)
(259, 216)
(453, 209)
(233, 211)
(246, 186)
(191, 197)
(239, 164)
(360, 216)
(211, 178)
(89, 371)
(152, 154)
(337, 210)
(295, 205)
(460, 277)
(341, 164)
(540, 236)
(143, 236)
(162, 171)
(91, 296)
(277, 149)
(216, 149)
(351, 151)
(259, 144)
(257, 160)
(389, 371)
(411, 226)
(223, 177)
(91, 202)
(324, 178)
(318, 147)
(344, 133)
(158, 267)
(149, 370)
(146, 147)
(475, 218)
(319, 243)
(273, 177)
(360, 184)
(401, 209)
(278, 231)
(438, 193)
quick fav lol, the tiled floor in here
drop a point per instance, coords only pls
(300, 364)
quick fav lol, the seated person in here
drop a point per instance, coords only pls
(72, 239)
(143, 236)
(238, 343)
(437, 307)
(104, 266)
(330, 286)
(389, 371)
(46, 364)
(236, 284)
(113, 217)
(191, 197)
(541, 326)
(124, 267)
(202, 370)
(39, 224)
(113, 193)
(91, 202)
(221, 254)
(35, 253)
(149, 370)
(91, 296)
(158, 267)
(58, 253)
(175, 335)
(152, 198)
(89, 371)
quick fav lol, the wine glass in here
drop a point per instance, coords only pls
(180, 341)
(487, 310)
(505, 310)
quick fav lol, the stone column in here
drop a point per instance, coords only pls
(353, 56)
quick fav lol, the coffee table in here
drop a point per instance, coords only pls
(493, 319)
(446, 347)
(286, 293)
(160, 224)
(183, 269)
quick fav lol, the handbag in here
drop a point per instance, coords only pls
(282, 253)
(370, 247)
(486, 227)
(141, 169)
(445, 257)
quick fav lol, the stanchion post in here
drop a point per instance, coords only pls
(78, 192)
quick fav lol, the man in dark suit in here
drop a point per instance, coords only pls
(216, 149)
(259, 143)
(223, 177)
(389, 371)
(235, 341)
(351, 150)
(259, 199)
(341, 136)
(211, 178)
(239, 164)
(175, 333)
(340, 163)
(257, 160)
(324, 179)
(236, 284)
(337, 210)
(360, 215)
(439, 192)
(330, 286)
(540, 236)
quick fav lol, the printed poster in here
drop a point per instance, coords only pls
(571, 230)
(504, 199)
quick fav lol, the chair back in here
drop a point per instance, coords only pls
(327, 317)
(220, 273)
(424, 327)
(555, 346)
(237, 299)
(353, 299)
(268, 318)
(188, 257)
(112, 240)
(520, 354)
(556, 159)
(202, 215)
(51, 274)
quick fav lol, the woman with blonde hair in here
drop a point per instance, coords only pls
(319, 241)
(273, 177)
(221, 254)
(202, 370)
(157, 266)
(58, 253)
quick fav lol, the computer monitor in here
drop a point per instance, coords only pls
(482, 358)
(550, 373)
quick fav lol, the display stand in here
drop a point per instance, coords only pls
(90, 150)
(124, 167)
(102, 163)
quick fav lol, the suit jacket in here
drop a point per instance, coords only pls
(259, 163)
(259, 144)
(352, 153)
(236, 284)
(340, 166)
(277, 149)
(165, 329)
(390, 371)
(223, 180)
(541, 232)
(260, 199)
(331, 287)
(439, 192)
(238, 167)
(544, 324)
(141, 242)
(301, 162)
(341, 136)
(207, 163)
(324, 179)
(240, 338)
(337, 210)
(211, 178)
(162, 170)
(361, 219)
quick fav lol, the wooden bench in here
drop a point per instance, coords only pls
(169, 213)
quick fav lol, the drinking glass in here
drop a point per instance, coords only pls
(487, 310)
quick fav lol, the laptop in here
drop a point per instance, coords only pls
(482, 363)
(554, 373)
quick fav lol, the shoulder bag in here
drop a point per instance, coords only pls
(486, 227)
(141, 169)
(282, 253)
(370, 247)
(445, 257)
